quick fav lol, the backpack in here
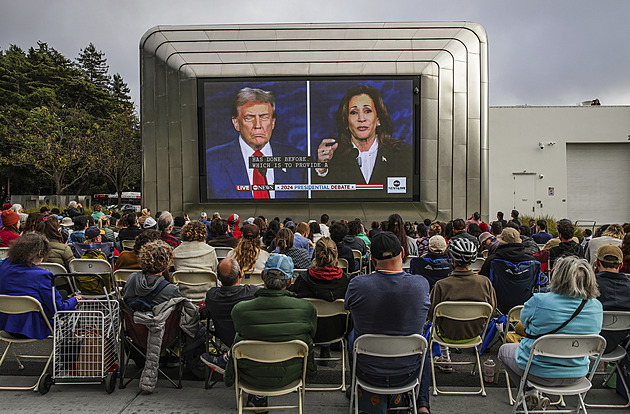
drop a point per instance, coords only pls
(143, 303)
(90, 285)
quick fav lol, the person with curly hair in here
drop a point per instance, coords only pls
(60, 252)
(284, 241)
(248, 253)
(612, 235)
(194, 253)
(21, 276)
(155, 257)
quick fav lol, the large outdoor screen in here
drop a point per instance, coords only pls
(309, 139)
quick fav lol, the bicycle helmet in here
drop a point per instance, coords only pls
(462, 251)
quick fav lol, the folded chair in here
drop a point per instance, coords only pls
(134, 339)
(14, 305)
(387, 346)
(615, 321)
(561, 346)
(193, 284)
(463, 312)
(269, 353)
(332, 327)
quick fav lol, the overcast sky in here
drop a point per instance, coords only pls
(549, 52)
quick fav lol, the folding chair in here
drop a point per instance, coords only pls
(615, 321)
(332, 326)
(95, 266)
(562, 346)
(4, 253)
(222, 252)
(15, 305)
(509, 336)
(342, 263)
(134, 339)
(269, 353)
(252, 279)
(387, 346)
(120, 278)
(128, 244)
(193, 284)
(407, 263)
(477, 264)
(514, 283)
(358, 258)
(57, 269)
(464, 312)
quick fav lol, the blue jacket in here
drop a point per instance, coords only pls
(23, 280)
(543, 313)
(225, 170)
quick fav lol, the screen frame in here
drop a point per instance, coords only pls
(416, 128)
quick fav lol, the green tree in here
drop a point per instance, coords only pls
(119, 143)
(53, 142)
(94, 65)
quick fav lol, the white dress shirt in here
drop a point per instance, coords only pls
(367, 160)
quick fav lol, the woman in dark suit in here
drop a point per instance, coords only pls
(365, 151)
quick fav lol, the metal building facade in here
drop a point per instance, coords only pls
(450, 58)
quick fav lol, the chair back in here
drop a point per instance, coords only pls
(407, 262)
(390, 346)
(431, 269)
(514, 283)
(568, 346)
(128, 244)
(342, 263)
(464, 311)
(514, 315)
(299, 272)
(269, 352)
(4, 253)
(92, 266)
(57, 269)
(616, 321)
(222, 252)
(14, 305)
(122, 275)
(332, 320)
(107, 248)
(139, 333)
(358, 258)
(477, 264)
(193, 284)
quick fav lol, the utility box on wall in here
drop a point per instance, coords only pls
(446, 62)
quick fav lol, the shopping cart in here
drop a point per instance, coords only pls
(86, 343)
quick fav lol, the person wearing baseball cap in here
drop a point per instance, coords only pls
(614, 289)
(435, 264)
(10, 229)
(389, 301)
(274, 315)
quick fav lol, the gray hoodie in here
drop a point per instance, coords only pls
(139, 284)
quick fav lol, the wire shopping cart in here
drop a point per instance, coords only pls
(86, 344)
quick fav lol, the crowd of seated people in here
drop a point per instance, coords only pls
(439, 255)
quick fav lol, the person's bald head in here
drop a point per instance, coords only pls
(229, 272)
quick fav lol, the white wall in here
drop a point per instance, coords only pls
(514, 135)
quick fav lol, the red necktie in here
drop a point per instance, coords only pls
(259, 179)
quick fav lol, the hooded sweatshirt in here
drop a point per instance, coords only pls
(328, 283)
(570, 248)
(140, 284)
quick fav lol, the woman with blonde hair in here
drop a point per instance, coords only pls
(248, 253)
(570, 305)
(612, 235)
(284, 243)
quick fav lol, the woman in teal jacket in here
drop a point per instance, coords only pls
(573, 281)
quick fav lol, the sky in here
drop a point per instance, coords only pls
(541, 52)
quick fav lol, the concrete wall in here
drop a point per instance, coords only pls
(520, 169)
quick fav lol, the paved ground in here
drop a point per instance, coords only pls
(193, 398)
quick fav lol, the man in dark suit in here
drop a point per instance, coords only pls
(227, 165)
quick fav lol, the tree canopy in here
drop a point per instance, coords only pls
(65, 126)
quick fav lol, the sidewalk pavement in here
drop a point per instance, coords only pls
(193, 398)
